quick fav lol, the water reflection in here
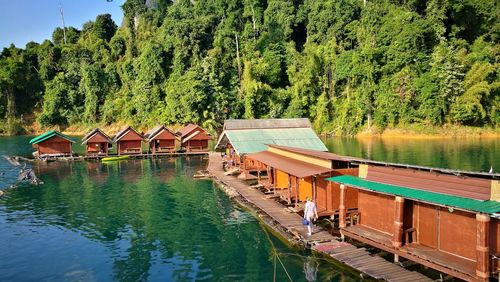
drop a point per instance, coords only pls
(474, 154)
(134, 220)
(311, 266)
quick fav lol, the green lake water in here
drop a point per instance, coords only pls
(149, 220)
(136, 220)
(471, 154)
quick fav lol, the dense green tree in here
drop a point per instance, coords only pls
(344, 64)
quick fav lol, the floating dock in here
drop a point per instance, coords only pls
(130, 156)
(320, 241)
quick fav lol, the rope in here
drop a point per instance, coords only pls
(275, 254)
(284, 268)
(274, 279)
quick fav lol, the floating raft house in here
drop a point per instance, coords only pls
(52, 144)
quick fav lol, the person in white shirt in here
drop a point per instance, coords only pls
(310, 214)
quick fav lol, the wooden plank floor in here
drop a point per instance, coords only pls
(131, 156)
(321, 240)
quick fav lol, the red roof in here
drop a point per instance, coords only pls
(187, 129)
(123, 132)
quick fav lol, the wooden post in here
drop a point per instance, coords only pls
(314, 191)
(482, 246)
(268, 176)
(296, 190)
(289, 189)
(342, 207)
(397, 239)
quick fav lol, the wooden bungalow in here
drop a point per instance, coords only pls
(445, 221)
(52, 144)
(128, 141)
(193, 138)
(295, 174)
(160, 140)
(245, 136)
(97, 142)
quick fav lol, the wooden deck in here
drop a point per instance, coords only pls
(132, 156)
(444, 262)
(321, 240)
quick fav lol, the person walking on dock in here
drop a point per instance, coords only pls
(310, 214)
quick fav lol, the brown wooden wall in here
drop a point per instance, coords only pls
(196, 145)
(324, 199)
(125, 145)
(170, 143)
(281, 179)
(328, 197)
(97, 138)
(130, 135)
(305, 188)
(96, 147)
(457, 233)
(165, 135)
(495, 241)
(452, 232)
(54, 145)
(202, 136)
(377, 211)
(427, 223)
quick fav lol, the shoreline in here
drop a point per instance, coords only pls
(413, 131)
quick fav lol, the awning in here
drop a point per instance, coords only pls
(291, 166)
(488, 206)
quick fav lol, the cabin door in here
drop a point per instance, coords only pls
(408, 223)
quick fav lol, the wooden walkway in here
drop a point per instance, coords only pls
(321, 240)
(132, 156)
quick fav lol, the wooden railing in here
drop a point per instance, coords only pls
(353, 217)
(131, 151)
(164, 149)
(197, 148)
(409, 235)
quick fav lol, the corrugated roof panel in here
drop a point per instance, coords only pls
(489, 207)
(255, 140)
(233, 124)
(48, 135)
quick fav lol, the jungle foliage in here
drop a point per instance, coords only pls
(345, 64)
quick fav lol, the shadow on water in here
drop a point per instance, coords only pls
(138, 220)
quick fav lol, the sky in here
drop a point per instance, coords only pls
(22, 21)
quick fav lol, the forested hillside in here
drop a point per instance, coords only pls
(344, 64)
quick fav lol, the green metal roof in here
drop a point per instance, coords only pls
(47, 135)
(255, 140)
(489, 207)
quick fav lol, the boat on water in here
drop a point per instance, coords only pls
(112, 159)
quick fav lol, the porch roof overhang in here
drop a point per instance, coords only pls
(467, 204)
(291, 166)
